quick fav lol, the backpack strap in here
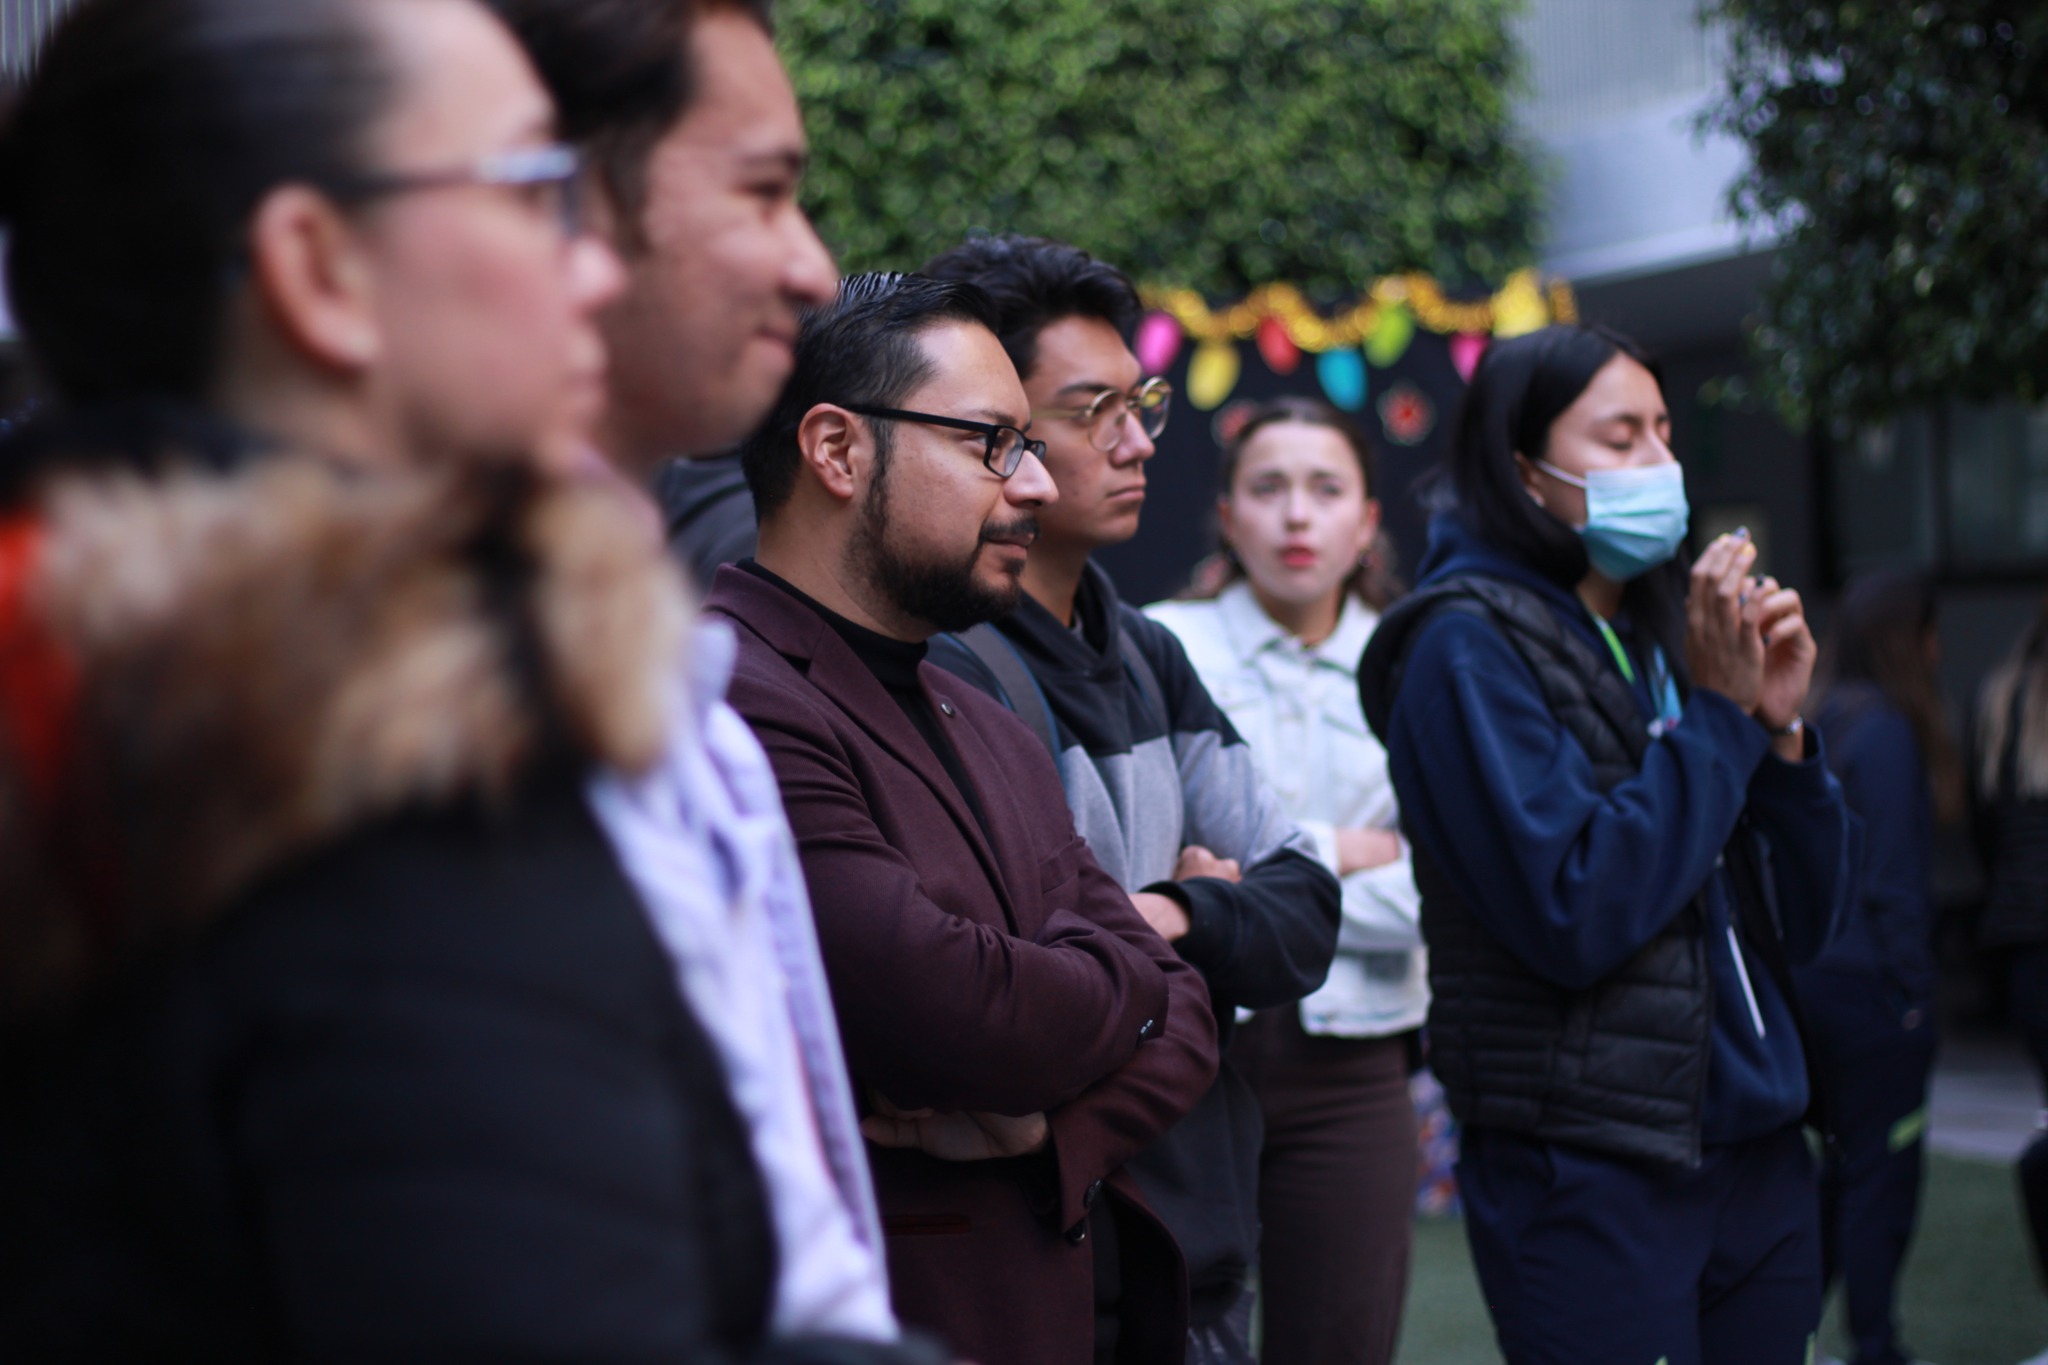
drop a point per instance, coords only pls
(1021, 692)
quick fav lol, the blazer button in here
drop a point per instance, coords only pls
(947, 707)
(1089, 1195)
(1078, 1233)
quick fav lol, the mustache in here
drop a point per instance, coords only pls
(1024, 528)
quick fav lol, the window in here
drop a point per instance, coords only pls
(1961, 489)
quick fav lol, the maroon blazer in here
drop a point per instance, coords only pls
(1010, 976)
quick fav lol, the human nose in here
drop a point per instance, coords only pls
(1032, 484)
(1133, 445)
(1295, 509)
(596, 276)
(809, 273)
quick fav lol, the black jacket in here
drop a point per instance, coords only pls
(431, 1094)
(329, 1026)
(709, 513)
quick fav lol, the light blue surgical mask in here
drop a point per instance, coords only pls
(1635, 518)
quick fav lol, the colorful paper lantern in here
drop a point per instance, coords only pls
(1158, 342)
(1212, 373)
(1390, 336)
(1466, 348)
(1520, 308)
(1281, 354)
(1342, 375)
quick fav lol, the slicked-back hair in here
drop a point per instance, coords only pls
(621, 73)
(1036, 282)
(135, 155)
(863, 347)
(1521, 387)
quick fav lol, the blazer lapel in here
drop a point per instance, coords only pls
(838, 674)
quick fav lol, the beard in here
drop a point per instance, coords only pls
(943, 593)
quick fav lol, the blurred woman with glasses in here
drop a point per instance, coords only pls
(332, 1025)
(1278, 648)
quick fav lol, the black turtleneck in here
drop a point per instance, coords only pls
(895, 665)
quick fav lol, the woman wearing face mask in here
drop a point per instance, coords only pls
(332, 1027)
(1278, 648)
(1624, 835)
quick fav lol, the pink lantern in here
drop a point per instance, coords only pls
(1466, 348)
(1158, 342)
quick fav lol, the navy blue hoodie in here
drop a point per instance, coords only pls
(1573, 880)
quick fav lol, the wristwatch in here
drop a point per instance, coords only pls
(1794, 726)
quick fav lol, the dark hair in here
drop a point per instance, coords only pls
(621, 73)
(1035, 283)
(139, 148)
(1521, 387)
(861, 348)
(1879, 637)
(1374, 581)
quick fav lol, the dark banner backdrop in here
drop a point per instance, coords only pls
(1408, 411)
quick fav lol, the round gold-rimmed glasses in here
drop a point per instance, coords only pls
(1150, 403)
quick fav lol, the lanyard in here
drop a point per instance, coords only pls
(1628, 670)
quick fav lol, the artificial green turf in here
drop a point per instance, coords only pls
(1969, 1297)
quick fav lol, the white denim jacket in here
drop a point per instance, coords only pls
(1297, 708)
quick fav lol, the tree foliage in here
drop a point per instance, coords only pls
(1219, 145)
(1901, 151)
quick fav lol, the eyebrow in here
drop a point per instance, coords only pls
(1081, 386)
(1000, 418)
(787, 159)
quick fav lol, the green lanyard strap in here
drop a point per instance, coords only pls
(1628, 670)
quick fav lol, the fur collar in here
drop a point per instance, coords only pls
(270, 658)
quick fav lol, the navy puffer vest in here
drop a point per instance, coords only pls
(1620, 1067)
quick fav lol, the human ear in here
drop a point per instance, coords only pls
(1531, 483)
(1368, 525)
(1226, 523)
(834, 448)
(313, 280)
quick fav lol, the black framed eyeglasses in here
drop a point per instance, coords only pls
(1150, 402)
(547, 176)
(1007, 446)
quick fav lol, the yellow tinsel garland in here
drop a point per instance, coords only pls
(1525, 303)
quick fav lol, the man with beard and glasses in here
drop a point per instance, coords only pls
(1160, 783)
(1015, 1030)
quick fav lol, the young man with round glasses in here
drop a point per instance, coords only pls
(1159, 783)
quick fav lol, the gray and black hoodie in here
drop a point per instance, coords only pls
(1151, 765)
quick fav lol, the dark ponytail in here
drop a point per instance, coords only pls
(1520, 389)
(136, 154)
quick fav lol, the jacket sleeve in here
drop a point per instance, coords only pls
(1268, 938)
(1817, 847)
(1127, 1112)
(1573, 880)
(1884, 780)
(454, 1151)
(939, 1009)
(1382, 910)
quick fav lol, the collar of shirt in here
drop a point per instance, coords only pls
(1251, 632)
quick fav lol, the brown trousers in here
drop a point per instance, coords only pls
(1336, 1190)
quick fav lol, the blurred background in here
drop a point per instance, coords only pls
(1825, 216)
